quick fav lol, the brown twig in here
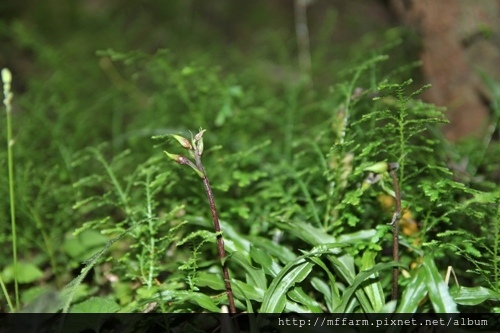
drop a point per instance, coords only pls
(393, 167)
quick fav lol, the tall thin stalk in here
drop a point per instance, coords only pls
(220, 240)
(195, 148)
(382, 168)
(7, 79)
(393, 167)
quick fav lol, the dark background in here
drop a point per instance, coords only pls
(456, 40)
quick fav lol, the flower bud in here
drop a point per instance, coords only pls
(199, 147)
(198, 136)
(183, 141)
(177, 158)
(379, 167)
(6, 76)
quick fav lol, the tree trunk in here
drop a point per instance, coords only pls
(452, 31)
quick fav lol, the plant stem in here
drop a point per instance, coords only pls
(220, 240)
(6, 78)
(395, 228)
(152, 242)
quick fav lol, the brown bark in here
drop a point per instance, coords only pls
(446, 64)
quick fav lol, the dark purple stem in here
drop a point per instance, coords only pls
(220, 240)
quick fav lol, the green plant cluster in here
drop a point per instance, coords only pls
(299, 176)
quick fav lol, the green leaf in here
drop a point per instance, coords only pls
(213, 281)
(40, 300)
(388, 307)
(373, 290)
(332, 295)
(200, 299)
(414, 293)
(295, 272)
(473, 295)
(84, 245)
(245, 291)
(270, 266)
(379, 167)
(275, 296)
(298, 295)
(205, 235)
(344, 265)
(26, 273)
(351, 198)
(96, 305)
(439, 292)
(241, 290)
(279, 251)
(72, 288)
(359, 279)
(255, 276)
(193, 297)
(232, 237)
(312, 235)
(316, 236)
(357, 236)
(324, 289)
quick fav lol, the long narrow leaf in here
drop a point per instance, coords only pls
(242, 291)
(255, 276)
(332, 296)
(307, 232)
(261, 257)
(473, 295)
(414, 292)
(298, 295)
(326, 290)
(275, 296)
(345, 267)
(197, 298)
(374, 289)
(284, 254)
(439, 292)
(360, 278)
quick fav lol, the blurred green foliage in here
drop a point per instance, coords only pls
(286, 157)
